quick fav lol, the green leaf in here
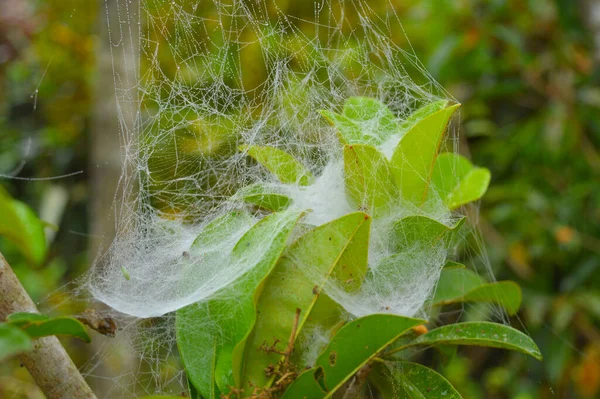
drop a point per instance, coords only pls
(208, 332)
(369, 180)
(37, 325)
(408, 123)
(462, 285)
(414, 157)
(265, 197)
(13, 341)
(421, 230)
(283, 165)
(457, 181)
(306, 386)
(20, 225)
(191, 322)
(454, 283)
(193, 392)
(482, 333)
(357, 343)
(199, 345)
(325, 251)
(58, 326)
(504, 293)
(420, 382)
(364, 121)
(326, 315)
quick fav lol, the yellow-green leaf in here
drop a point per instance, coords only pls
(369, 180)
(421, 230)
(422, 113)
(457, 182)
(414, 157)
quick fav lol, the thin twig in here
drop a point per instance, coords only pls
(290, 346)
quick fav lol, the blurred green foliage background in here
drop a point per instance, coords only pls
(527, 74)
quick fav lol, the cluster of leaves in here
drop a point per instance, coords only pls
(227, 345)
(526, 75)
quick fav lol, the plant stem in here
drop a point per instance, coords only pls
(48, 362)
(290, 346)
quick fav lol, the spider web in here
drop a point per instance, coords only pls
(208, 76)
